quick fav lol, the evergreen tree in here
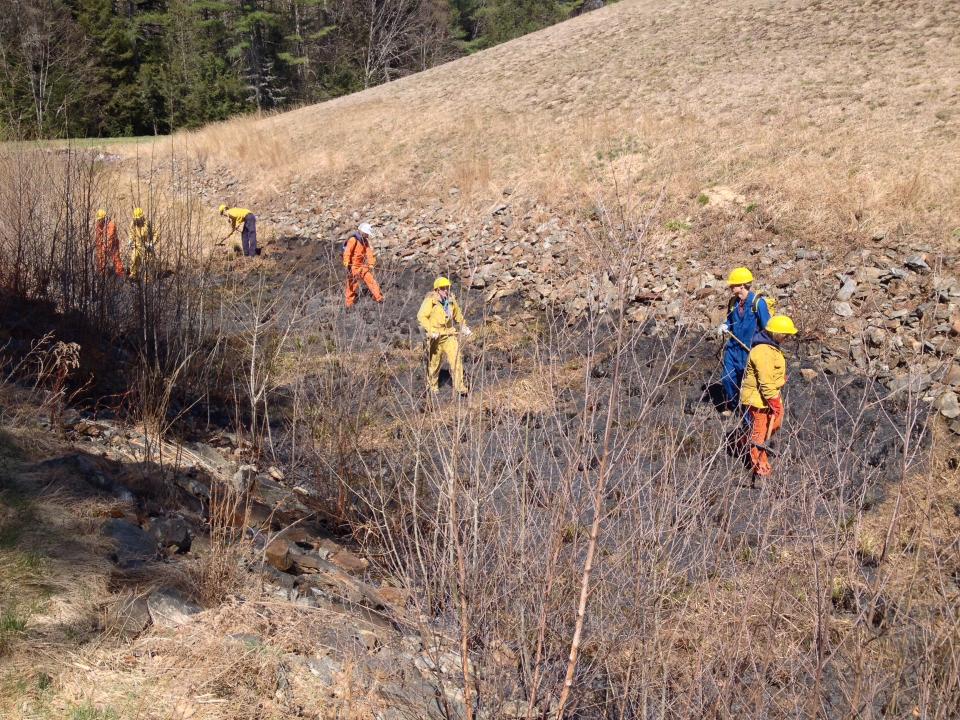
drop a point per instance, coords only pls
(137, 67)
(257, 41)
(199, 85)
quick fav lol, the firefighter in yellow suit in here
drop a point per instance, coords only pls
(141, 242)
(437, 315)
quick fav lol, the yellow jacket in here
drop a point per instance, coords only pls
(142, 236)
(766, 373)
(236, 216)
(434, 319)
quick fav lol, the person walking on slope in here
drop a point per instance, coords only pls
(242, 218)
(141, 242)
(359, 260)
(437, 315)
(108, 244)
(747, 313)
(765, 376)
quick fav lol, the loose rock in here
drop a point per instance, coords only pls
(170, 608)
(843, 309)
(949, 405)
(133, 546)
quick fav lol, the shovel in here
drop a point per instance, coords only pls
(739, 341)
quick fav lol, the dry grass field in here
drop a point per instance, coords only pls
(840, 114)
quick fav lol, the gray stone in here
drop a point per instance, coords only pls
(847, 290)
(869, 275)
(170, 608)
(842, 309)
(949, 405)
(952, 377)
(171, 531)
(911, 382)
(875, 336)
(78, 464)
(324, 668)
(917, 263)
(128, 616)
(243, 479)
(133, 547)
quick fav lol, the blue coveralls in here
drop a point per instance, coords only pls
(248, 236)
(744, 324)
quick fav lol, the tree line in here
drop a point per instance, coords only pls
(98, 68)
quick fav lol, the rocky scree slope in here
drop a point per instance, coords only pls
(883, 305)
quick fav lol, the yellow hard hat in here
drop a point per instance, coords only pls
(440, 282)
(740, 276)
(781, 325)
(138, 213)
(101, 214)
(221, 209)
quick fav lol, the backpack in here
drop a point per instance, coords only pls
(343, 248)
(757, 295)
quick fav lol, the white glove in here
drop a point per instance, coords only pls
(721, 330)
(467, 332)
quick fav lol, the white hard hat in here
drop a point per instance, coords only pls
(366, 228)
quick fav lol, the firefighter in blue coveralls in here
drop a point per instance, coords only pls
(746, 314)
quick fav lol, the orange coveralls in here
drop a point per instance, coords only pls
(359, 260)
(108, 246)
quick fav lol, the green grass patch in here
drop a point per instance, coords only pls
(81, 143)
(677, 225)
(13, 623)
(703, 199)
(625, 145)
(88, 711)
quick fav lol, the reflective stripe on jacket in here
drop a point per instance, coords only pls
(765, 375)
(434, 319)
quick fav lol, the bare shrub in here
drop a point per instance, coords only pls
(600, 554)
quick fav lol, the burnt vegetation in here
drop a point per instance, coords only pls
(579, 529)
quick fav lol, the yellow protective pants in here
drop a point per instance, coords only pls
(449, 346)
(136, 261)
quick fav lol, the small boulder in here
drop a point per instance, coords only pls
(278, 555)
(848, 290)
(952, 378)
(911, 382)
(133, 547)
(170, 608)
(949, 405)
(917, 263)
(243, 479)
(843, 309)
(128, 616)
(171, 531)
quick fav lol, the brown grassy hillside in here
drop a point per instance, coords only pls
(841, 114)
